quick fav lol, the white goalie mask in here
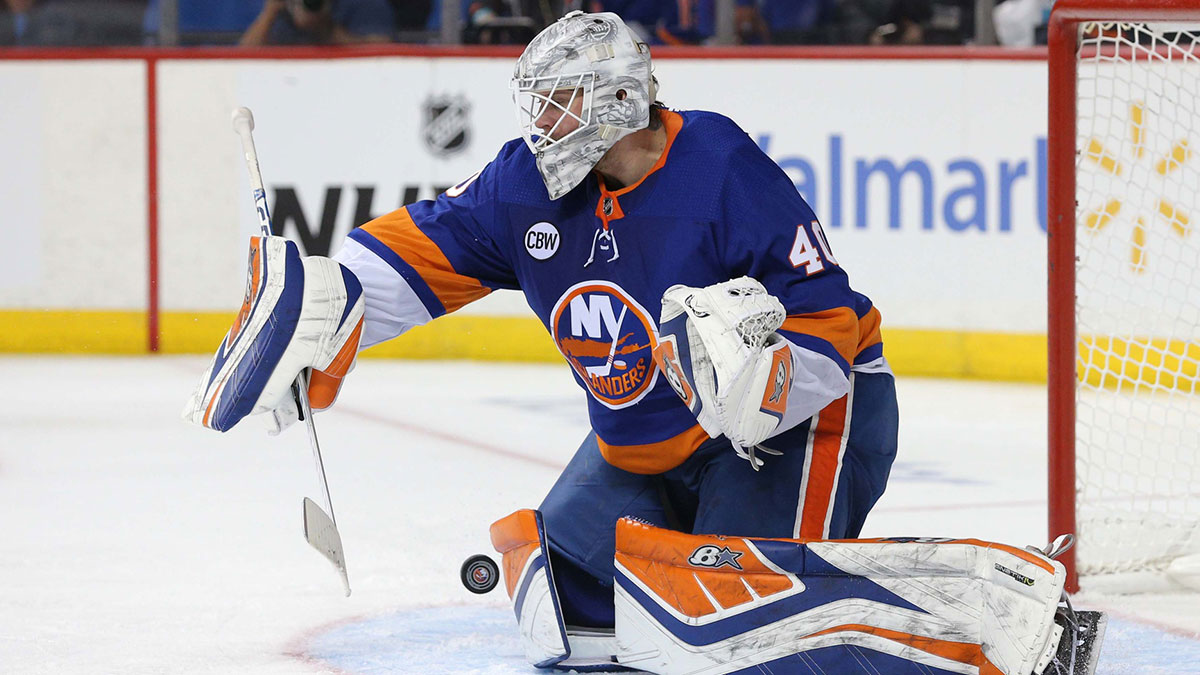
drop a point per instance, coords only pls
(580, 86)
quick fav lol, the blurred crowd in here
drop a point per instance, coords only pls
(672, 22)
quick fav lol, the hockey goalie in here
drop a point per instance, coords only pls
(743, 415)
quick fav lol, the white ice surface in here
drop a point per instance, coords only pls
(135, 543)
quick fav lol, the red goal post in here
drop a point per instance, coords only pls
(1123, 324)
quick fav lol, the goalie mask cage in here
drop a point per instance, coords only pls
(1124, 287)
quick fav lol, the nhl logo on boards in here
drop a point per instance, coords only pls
(447, 126)
(542, 240)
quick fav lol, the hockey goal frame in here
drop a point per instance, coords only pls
(1063, 34)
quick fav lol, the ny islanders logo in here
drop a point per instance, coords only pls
(608, 338)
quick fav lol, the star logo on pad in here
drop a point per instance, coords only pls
(712, 556)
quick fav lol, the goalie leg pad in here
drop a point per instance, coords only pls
(520, 538)
(713, 604)
(297, 313)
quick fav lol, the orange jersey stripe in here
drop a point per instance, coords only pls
(837, 326)
(397, 231)
(868, 330)
(515, 537)
(657, 457)
(822, 475)
(840, 327)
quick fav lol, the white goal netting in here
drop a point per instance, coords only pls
(1137, 296)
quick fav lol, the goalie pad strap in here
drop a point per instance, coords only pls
(689, 603)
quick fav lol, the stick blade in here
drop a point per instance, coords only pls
(322, 534)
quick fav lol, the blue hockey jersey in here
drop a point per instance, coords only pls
(594, 264)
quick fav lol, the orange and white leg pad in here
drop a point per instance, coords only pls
(688, 604)
(520, 538)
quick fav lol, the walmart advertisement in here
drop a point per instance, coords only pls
(928, 175)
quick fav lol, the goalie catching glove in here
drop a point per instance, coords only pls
(719, 350)
(298, 313)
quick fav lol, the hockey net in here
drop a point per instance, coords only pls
(1128, 370)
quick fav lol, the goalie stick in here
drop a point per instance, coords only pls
(320, 527)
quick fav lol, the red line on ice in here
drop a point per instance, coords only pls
(297, 647)
(453, 438)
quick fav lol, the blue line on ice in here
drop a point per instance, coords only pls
(436, 641)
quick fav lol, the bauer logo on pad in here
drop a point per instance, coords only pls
(713, 556)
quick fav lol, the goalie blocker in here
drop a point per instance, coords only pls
(689, 604)
(297, 313)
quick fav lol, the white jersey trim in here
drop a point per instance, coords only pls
(837, 475)
(879, 365)
(392, 307)
(808, 454)
(816, 382)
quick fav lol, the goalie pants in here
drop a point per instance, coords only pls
(833, 469)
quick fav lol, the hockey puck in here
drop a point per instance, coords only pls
(479, 574)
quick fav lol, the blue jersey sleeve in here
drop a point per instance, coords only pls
(774, 237)
(445, 249)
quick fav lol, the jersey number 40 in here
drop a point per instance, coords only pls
(805, 255)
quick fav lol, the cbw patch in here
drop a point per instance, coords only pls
(542, 240)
